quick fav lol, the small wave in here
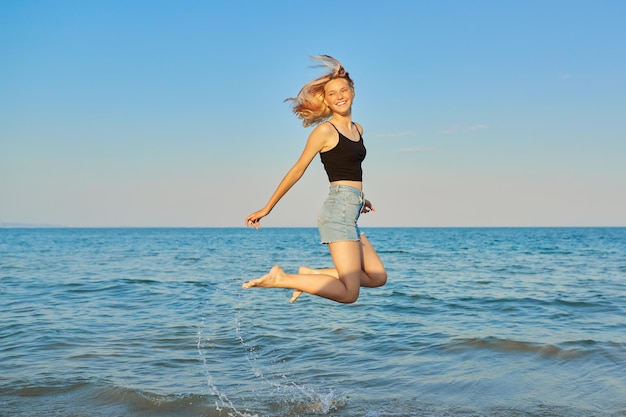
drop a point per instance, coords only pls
(392, 251)
(508, 345)
(401, 292)
(189, 258)
(516, 303)
(90, 288)
(573, 303)
(102, 399)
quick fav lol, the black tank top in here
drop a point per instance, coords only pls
(343, 162)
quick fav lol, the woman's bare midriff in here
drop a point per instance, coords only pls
(355, 184)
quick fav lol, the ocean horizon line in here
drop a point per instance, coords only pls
(54, 226)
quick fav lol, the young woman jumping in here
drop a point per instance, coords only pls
(327, 103)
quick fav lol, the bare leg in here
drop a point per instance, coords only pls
(373, 273)
(344, 288)
(306, 270)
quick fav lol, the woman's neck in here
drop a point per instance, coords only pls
(342, 121)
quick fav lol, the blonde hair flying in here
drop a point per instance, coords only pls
(309, 104)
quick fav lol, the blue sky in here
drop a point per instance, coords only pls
(156, 113)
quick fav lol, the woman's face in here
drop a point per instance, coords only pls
(338, 95)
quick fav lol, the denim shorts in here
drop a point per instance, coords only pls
(339, 214)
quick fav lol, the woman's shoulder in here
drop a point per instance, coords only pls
(359, 127)
(324, 130)
(324, 136)
(324, 127)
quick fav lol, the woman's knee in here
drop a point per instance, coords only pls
(381, 278)
(350, 297)
(352, 285)
(376, 278)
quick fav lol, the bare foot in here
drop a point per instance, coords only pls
(303, 270)
(270, 280)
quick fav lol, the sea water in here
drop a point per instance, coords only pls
(154, 322)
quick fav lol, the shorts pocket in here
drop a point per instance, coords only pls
(329, 211)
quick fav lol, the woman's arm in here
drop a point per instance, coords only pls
(315, 143)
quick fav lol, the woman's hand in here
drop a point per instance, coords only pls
(367, 207)
(254, 220)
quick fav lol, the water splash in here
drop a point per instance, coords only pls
(286, 392)
(312, 402)
(222, 399)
